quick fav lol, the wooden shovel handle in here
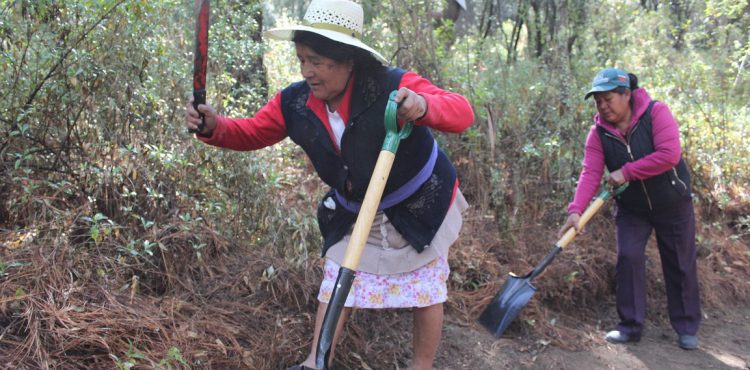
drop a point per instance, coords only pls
(377, 183)
(585, 217)
(588, 213)
(368, 210)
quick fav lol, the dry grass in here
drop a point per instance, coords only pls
(68, 303)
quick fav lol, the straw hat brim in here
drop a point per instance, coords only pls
(286, 33)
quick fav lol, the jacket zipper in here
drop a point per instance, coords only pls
(674, 169)
(626, 142)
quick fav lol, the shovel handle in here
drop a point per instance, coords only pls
(368, 210)
(593, 208)
(377, 183)
(361, 230)
(392, 135)
(585, 217)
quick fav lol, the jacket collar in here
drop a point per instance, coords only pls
(640, 99)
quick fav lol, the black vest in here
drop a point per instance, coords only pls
(659, 192)
(418, 217)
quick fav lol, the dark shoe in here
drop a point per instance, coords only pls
(687, 342)
(615, 336)
(299, 367)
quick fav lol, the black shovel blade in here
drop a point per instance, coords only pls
(507, 304)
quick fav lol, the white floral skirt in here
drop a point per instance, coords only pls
(422, 287)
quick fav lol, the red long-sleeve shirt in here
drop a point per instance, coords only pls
(446, 111)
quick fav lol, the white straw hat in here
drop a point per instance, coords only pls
(338, 20)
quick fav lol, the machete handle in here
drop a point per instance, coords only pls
(199, 97)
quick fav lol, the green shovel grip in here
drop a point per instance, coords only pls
(606, 194)
(392, 134)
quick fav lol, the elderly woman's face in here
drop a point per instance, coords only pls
(613, 107)
(326, 77)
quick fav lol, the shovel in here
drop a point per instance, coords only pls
(518, 290)
(361, 230)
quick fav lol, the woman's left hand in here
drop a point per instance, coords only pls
(616, 178)
(412, 106)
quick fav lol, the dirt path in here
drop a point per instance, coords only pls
(724, 344)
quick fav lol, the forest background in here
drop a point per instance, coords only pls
(126, 243)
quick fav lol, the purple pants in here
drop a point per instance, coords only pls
(675, 237)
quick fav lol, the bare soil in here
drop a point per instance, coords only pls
(564, 324)
(724, 344)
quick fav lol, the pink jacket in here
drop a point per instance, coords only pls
(666, 136)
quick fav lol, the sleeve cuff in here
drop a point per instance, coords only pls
(213, 135)
(207, 136)
(626, 172)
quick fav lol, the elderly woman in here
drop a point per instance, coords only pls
(638, 141)
(336, 115)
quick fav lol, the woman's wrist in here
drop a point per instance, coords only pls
(206, 132)
(426, 108)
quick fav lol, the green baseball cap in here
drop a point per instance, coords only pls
(608, 80)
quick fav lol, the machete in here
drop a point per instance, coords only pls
(200, 63)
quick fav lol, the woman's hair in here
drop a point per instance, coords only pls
(364, 62)
(633, 84)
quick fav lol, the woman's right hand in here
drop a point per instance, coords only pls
(193, 118)
(572, 221)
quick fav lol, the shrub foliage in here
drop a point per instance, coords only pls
(125, 242)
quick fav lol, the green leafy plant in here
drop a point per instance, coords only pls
(174, 357)
(132, 356)
(100, 227)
